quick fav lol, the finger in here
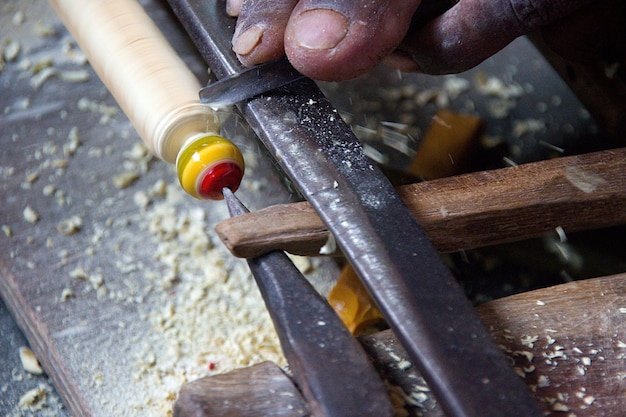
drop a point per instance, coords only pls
(474, 30)
(336, 40)
(259, 34)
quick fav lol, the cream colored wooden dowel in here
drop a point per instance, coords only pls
(150, 82)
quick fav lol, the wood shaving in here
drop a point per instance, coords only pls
(543, 381)
(586, 182)
(29, 361)
(529, 341)
(18, 18)
(79, 273)
(125, 179)
(70, 226)
(11, 50)
(495, 87)
(559, 407)
(105, 111)
(141, 199)
(66, 294)
(42, 76)
(74, 76)
(330, 246)
(208, 316)
(33, 399)
(72, 143)
(528, 127)
(43, 29)
(30, 215)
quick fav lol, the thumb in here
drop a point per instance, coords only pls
(342, 39)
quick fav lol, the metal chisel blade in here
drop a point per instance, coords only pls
(249, 83)
(310, 332)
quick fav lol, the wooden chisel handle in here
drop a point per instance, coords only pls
(150, 82)
(466, 211)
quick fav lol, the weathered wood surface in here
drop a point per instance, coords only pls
(576, 333)
(467, 211)
(260, 390)
(91, 343)
(567, 342)
(89, 330)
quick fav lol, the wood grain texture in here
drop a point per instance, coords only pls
(567, 342)
(259, 390)
(576, 333)
(467, 211)
(151, 83)
(90, 342)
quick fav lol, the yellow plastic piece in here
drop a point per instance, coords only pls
(444, 151)
(350, 300)
(202, 154)
(447, 146)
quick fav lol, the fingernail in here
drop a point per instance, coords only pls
(319, 29)
(244, 43)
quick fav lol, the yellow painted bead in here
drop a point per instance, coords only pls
(198, 160)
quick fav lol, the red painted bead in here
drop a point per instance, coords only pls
(226, 174)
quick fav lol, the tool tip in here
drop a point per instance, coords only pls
(235, 207)
(227, 193)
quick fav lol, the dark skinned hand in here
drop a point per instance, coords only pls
(337, 40)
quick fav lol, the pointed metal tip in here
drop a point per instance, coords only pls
(235, 207)
(227, 193)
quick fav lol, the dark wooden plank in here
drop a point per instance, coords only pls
(567, 342)
(260, 390)
(467, 211)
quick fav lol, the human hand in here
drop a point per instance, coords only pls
(336, 40)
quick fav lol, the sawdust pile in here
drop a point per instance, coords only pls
(207, 312)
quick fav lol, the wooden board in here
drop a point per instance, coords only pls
(467, 211)
(262, 390)
(566, 342)
(85, 296)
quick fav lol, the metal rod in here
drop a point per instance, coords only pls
(328, 364)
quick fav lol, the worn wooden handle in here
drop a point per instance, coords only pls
(466, 211)
(150, 82)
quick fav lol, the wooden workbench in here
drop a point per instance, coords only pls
(80, 273)
(82, 280)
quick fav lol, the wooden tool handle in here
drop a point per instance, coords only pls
(466, 211)
(150, 82)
